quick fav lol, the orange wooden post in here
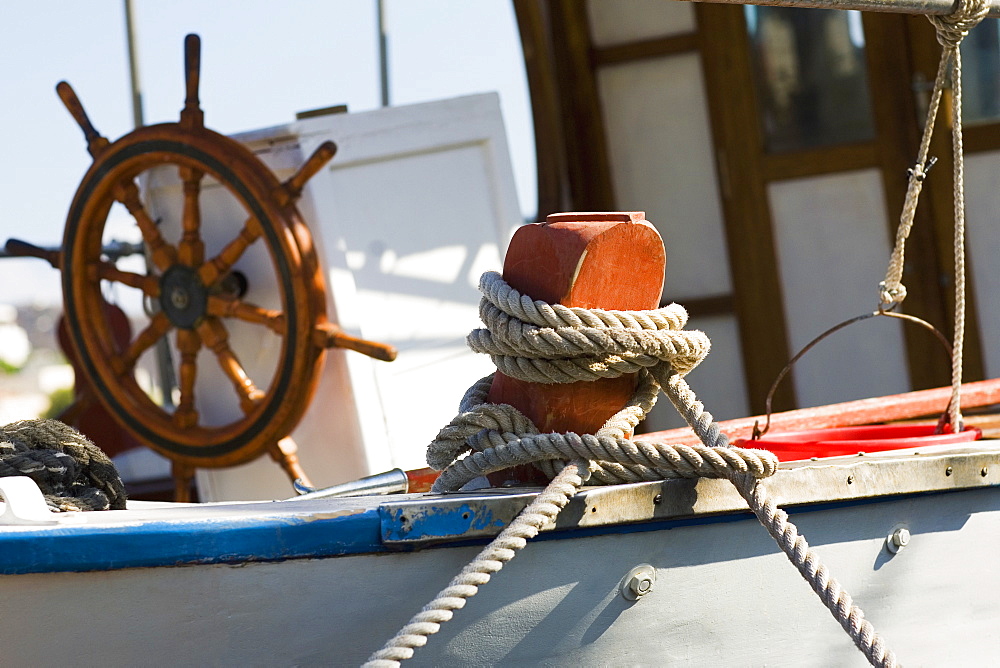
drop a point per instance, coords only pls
(611, 261)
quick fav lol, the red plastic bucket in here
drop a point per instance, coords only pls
(795, 445)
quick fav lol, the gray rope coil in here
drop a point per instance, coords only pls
(520, 332)
(72, 473)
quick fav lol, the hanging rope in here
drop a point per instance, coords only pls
(72, 473)
(534, 339)
(951, 30)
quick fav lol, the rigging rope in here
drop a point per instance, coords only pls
(534, 339)
(951, 30)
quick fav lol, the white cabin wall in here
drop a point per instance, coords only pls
(661, 154)
(804, 109)
(417, 203)
(623, 21)
(843, 216)
(661, 157)
(982, 190)
(718, 381)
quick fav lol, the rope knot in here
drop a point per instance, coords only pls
(889, 295)
(953, 28)
(920, 171)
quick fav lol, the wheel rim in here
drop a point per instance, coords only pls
(187, 305)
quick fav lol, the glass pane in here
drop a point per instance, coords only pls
(981, 74)
(809, 70)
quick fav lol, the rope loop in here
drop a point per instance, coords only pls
(889, 296)
(499, 437)
(540, 343)
(952, 28)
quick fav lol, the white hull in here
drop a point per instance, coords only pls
(724, 595)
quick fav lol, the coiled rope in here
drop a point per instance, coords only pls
(530, 339)
(951, 30)
(72, 473)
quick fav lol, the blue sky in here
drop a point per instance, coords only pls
(262, 61)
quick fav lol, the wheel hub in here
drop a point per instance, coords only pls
(183, 297)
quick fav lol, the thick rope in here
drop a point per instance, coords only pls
(72, 473)
(542, 343)
(495, 437)
(540, 512)
(951, 30)
(776, 521)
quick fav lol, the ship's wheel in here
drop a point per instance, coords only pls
(195, 297)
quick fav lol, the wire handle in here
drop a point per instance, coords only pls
(888, 312)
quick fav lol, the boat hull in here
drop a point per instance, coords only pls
(724, 595)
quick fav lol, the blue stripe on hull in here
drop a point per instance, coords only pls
(83, 548)
(100, 548)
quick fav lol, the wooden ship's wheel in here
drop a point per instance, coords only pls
(193, 297)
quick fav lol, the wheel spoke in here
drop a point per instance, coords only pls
(322, 155)
(191, 250)
(192, 115)
(188, 342)
(96, 144)
(150, 285)
(158, 326)
(220, 265)
(222, 307)
(164, 255)
(214, 336)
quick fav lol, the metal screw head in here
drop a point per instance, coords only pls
(641, 584)
(985, 472)
(898, 539)
(638, 582)
(850, 480)
(948, 471)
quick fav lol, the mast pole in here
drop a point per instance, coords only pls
(934, 7)
(138, 119)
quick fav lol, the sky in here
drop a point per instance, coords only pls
(262, 61)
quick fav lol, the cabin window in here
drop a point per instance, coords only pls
(981, 74)
(810, 76)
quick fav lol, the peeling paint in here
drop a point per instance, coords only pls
(435, 521)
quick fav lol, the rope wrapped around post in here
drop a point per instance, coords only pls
(533, 339)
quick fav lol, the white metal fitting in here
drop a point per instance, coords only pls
(24, 503)
(638, 582)
(897, 539)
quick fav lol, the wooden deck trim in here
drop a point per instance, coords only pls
(848, 414)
